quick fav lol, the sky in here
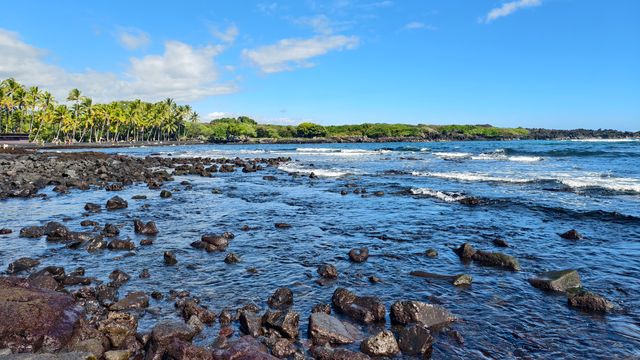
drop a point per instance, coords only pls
(531, 63)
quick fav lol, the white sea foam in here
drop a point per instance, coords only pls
(471, 177)
(525, 158)
(340, 152)
(499, 155)
(452, 155)
(444, 196)
(608, 183)
(297, 169)
(605, 140)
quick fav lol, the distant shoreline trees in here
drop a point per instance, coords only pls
(35, 112)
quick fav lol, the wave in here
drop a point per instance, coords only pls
(407, 149)
(499, 155)
(572, 182)
(296, 169)
(340, 152)
(605, 140)
(471, 177)
(568, 153)
(452, 155)
(442, 195)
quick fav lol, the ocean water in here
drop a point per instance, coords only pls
(529, 191)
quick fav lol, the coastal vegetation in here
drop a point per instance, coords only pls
(33, 111)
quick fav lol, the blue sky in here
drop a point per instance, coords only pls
(532, 63)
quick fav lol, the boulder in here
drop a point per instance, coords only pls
(359, 255)
(119, 244)
(149, 228)
(118, 327)
(110, 230)
(22, 264)
(91, 207)
(285, 322)
(245, 348)
(571, 235)
(415, 340)
(324, 328)
(367, 309)
(33, 319)
(466, 252)
(170, 258)
(589, 302)
(56, 231)
(119, 277)
(250, 323)
(191, 308)
(430, 315)
(232, 258)
(559, 281)
(116, 203)
(380, 344)
(133, 300)
(32, 232)
(328, 271)
(281, 299)
(165, 194)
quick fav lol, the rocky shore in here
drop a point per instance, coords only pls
(49, 312)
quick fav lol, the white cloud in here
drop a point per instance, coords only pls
(417, 25)
(183, 72)
(227, 36)
(133, 39)
(508, 9)
(289, 54)
(320, 23)
(217, 115)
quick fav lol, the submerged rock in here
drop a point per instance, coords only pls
(430, 315)
(359, 255)
(91, 207)
(281, 299)
(133, 300)
(232, 258)
(5, 231)
(32, 232)
(457, 280)
(559, 281)
(367, 309)
(381, 344)
(116, 203)
(571, 235)
(165, 194)
(415, 340)
(328, 271)
(170, 258)
(118, 244)
(466, 252)
(324, 328)
(590, 302)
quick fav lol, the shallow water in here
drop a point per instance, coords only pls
(530, 191)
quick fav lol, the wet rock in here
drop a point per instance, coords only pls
(157, 295)
(170, 258)
(324, 328)
(457, 280)
(250, 323)
(283, 348)
(179, 349)
(96, 244)
(415, 340)
(571, 235)
(116, 203)
(470, 201)
(22, 264)
(91, 207)
(374, 279)
(139, 197)
(431, 253)
(380, 344)
(328, 271)
(146, 242)
(214, 242)
(321, 308)
(191, 308)
(430, 315)
(225, 317)
(466, 252)
(86, 223)
(282, 225)
(144, 274)
(462, 280)
(165, 194)
(133, 300)
(559, 281)
(367, 309)
(171, 340)
(245, 348)
(5, 231)
(281, 299)
(500, 243)
(110, 230)
(119, 277)
(232, 258)
(327, 353)
(117, 327)
(93, 346)
(117, 355)
(119, 244)
(588, 301)
(359, 255)
(56, 231)
(106, 294)
(285, 322)
(76, 280)
(33, 319)
(32, 232)
(149, 228)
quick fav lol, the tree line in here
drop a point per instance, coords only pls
(35, 112)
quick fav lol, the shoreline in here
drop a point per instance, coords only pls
(292, 141)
